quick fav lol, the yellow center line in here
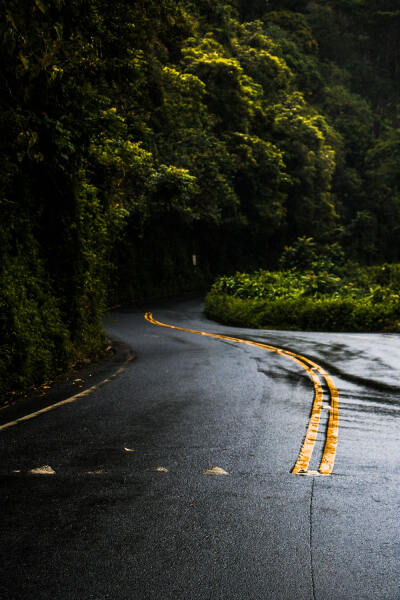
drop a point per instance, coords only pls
(312, 368)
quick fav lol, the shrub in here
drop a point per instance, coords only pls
(35, 343)
(309, 300)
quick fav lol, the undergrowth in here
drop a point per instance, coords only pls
(320, 298)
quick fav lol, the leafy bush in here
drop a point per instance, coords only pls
(310, 300)
(299, 256)
(35, 343)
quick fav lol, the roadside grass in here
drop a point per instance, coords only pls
(349, 298)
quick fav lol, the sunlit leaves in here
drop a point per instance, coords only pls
(137, 129)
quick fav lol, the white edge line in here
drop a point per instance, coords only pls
(69, 400)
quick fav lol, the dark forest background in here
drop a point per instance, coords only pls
(135, 134)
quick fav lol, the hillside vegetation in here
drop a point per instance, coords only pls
(136, 134)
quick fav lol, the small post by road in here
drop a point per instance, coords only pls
(194, 260)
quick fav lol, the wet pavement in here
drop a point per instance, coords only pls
(128, 512)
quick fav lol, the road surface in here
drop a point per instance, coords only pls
(125, 509)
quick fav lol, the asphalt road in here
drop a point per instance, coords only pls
(128, 513)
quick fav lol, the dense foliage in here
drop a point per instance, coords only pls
(313, 292)
(136, 134)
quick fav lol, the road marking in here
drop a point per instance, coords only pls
(315, 372)
(69, 400)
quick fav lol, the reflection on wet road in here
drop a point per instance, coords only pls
(366, 370)
(173, 480)
(320, 378)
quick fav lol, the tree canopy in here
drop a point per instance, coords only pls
(135, 134)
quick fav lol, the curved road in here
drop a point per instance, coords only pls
(130, 513)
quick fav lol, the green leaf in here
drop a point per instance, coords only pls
(41, 6)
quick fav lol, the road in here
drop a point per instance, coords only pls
(129, 513)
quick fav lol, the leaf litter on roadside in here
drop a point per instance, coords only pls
(43, 470)
(215, 471)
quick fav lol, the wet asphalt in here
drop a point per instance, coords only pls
(128, 513)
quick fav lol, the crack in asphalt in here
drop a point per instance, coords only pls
(311, 542)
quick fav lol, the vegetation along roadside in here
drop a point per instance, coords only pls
(315, 290)
(137, 134)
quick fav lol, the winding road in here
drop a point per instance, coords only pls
(222, 463)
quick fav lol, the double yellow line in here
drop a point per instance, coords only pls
(317, 374)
